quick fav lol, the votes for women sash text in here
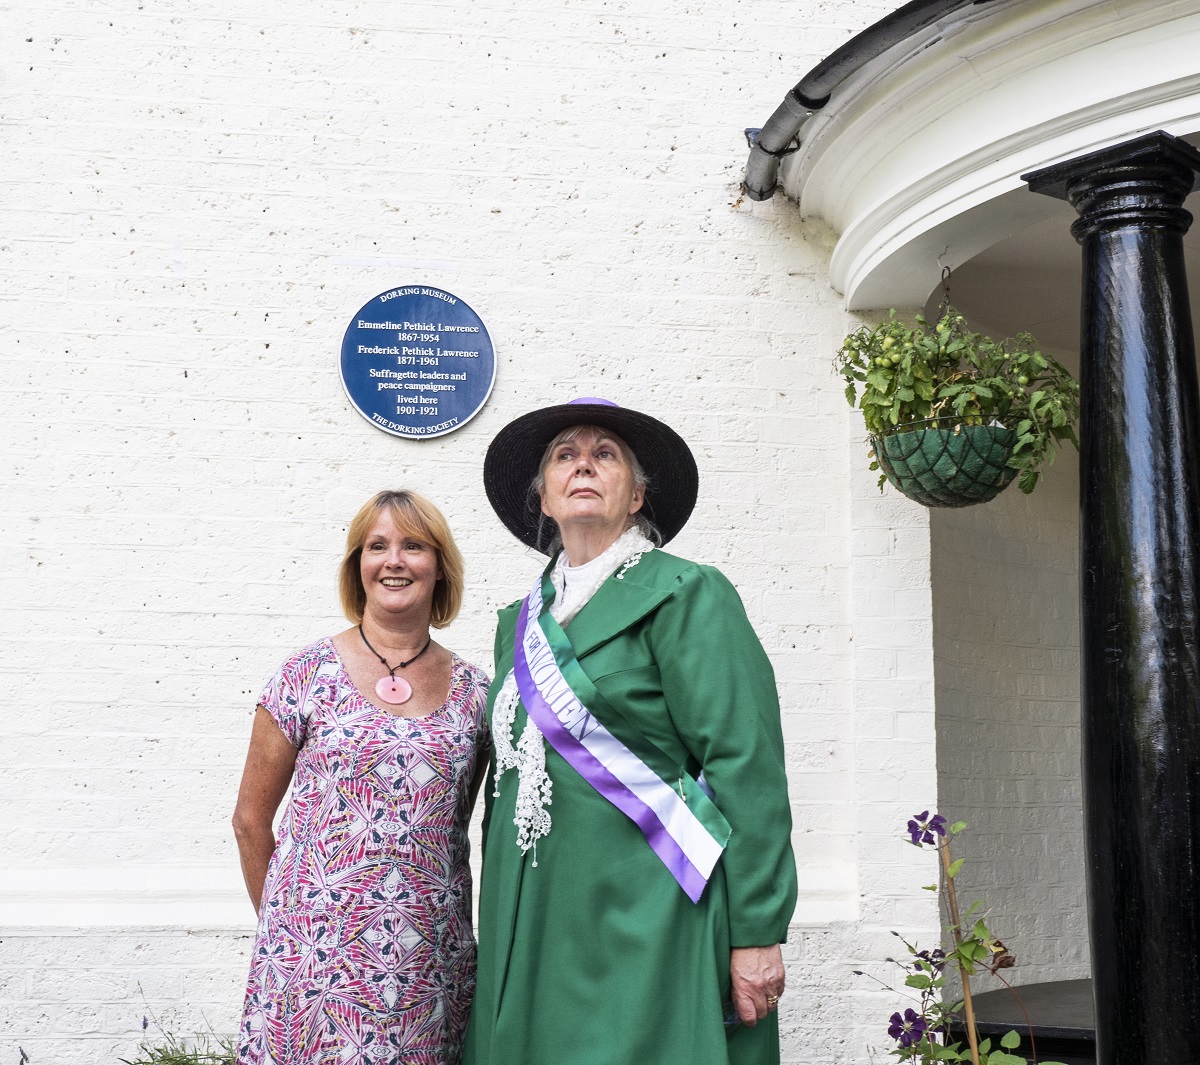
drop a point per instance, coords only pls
(680, 822)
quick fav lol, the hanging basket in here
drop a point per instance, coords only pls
(947, 466)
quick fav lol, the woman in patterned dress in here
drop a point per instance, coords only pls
(364, 951)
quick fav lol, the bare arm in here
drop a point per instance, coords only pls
(757, 975)
(269, 765)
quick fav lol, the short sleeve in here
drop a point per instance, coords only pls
(304, 682)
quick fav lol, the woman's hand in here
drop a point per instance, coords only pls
(757, 979)
(269, 765)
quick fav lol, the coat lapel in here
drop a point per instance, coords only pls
(616, 606)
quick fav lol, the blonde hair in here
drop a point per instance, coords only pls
(414, 516)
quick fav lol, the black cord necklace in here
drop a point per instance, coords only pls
(393, 689)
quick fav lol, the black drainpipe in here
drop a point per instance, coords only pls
(781, 134)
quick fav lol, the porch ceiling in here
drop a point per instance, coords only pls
(916, 159)
(1032, 281)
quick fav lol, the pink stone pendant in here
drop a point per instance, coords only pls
(394, 690)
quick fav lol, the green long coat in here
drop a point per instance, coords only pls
(589, 951)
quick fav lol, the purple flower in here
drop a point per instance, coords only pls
(922, 828)
(935, 959)
(909, 1029)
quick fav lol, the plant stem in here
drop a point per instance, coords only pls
(1028, 1022)
(956, 930)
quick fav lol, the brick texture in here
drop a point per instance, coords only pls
(1006, 594)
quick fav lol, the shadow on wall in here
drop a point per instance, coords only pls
(1006, 659)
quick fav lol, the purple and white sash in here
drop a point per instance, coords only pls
(672, 810)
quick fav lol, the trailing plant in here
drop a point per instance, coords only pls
(945, 375)
(923, 1034)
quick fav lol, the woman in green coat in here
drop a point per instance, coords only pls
(638, 875)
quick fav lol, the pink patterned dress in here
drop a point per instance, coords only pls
(365, 952)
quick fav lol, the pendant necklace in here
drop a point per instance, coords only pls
(393, 689)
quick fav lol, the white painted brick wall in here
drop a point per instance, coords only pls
(74, 997)
(197, 197)
(1006, 594)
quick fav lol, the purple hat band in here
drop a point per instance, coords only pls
(592, 401)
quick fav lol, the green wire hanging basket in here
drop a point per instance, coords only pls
(947, 465)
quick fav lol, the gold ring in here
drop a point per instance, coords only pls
(772, 1000)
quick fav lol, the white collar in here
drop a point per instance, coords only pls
(574, 586)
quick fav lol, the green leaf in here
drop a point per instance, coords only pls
(929, 887)
(985, 1046)
(955, 866)
(917, 980)
(957, 827)
(1010, 1041)
(974, 377)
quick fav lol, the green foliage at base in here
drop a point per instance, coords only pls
(168, 1049)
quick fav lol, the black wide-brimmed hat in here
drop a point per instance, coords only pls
(514, 457)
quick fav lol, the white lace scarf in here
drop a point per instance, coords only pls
(574, 586)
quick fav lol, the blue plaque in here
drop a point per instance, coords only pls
(417, 361)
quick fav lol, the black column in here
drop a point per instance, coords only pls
(1139, 570)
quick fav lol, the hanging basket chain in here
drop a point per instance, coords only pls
(944, 306)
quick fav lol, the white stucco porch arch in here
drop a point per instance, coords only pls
(916, 160)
